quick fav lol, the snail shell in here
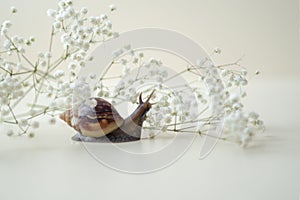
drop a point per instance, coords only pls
(98, 121)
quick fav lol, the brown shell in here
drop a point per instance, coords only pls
(67, 116)
(98, 121)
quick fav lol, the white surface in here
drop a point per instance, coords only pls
(50, 166)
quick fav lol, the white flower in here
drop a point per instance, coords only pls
(117, 53)
(51, 13)
(112, 7)
(21, 50)
(41, 55)
(52, 120)
(84, 10)
(115, 35)
(141, 54)
(57, 25)
(72, 66)
(92, 76)
(82, 63)
(13, 9)
(253, 115)
(152, 135)
(108, 24)
(43, 63)
(10, 133)
(3, 31)
(4, 111)
(127, 47)
(81, 92)
(59, 73)
(23, 122)
(32, 39)
(4, 100)
(91, 102)
(7, 44)
(103, 17)
(6, 24)
(31, 135)
(86, 46)
(35, 124)
(217, 50)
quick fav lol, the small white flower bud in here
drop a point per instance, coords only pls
(10, 133)
(127, 47)
(57, 25)
(21, 50)
(51, 13)
(217, 50)
(112, 7)
(32, 39)
(43, 63)
(59, 73)
(31, 135)
(35, 124)
(7, 24)
(13, 10)
(93, 76)
(23, 122)
(52, 121)
(84, 10)
(48, 54)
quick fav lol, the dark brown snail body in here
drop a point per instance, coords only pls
(104, 124)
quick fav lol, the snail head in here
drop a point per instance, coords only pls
(147, 105)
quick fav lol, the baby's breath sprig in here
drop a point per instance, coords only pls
(25, 84)
(33, 88)
(175, 110)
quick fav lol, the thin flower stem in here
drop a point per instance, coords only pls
(9, 122)
(201, 133)
(181, 129)
(175, 124)
(20, 73)
(7, 51)
(106, 70)
(139, 69)
(112, 77)
(23, 56)
(14, 117)
(51, 39)
(193, 121)
(231, 64)
(25, 94)
(204, 110)
(12, 113)
(27, 77)
(6, 71)
(41, 113)
(184, 85)
(175, 75)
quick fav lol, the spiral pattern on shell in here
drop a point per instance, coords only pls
(69, 117)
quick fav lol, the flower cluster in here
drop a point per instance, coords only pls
(184, 108)
(189, 100)
(238, 126)
(43, 77)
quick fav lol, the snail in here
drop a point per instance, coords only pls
(104, 124)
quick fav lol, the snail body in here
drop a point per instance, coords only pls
(104, 124)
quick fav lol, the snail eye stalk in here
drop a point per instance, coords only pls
(140, 99)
